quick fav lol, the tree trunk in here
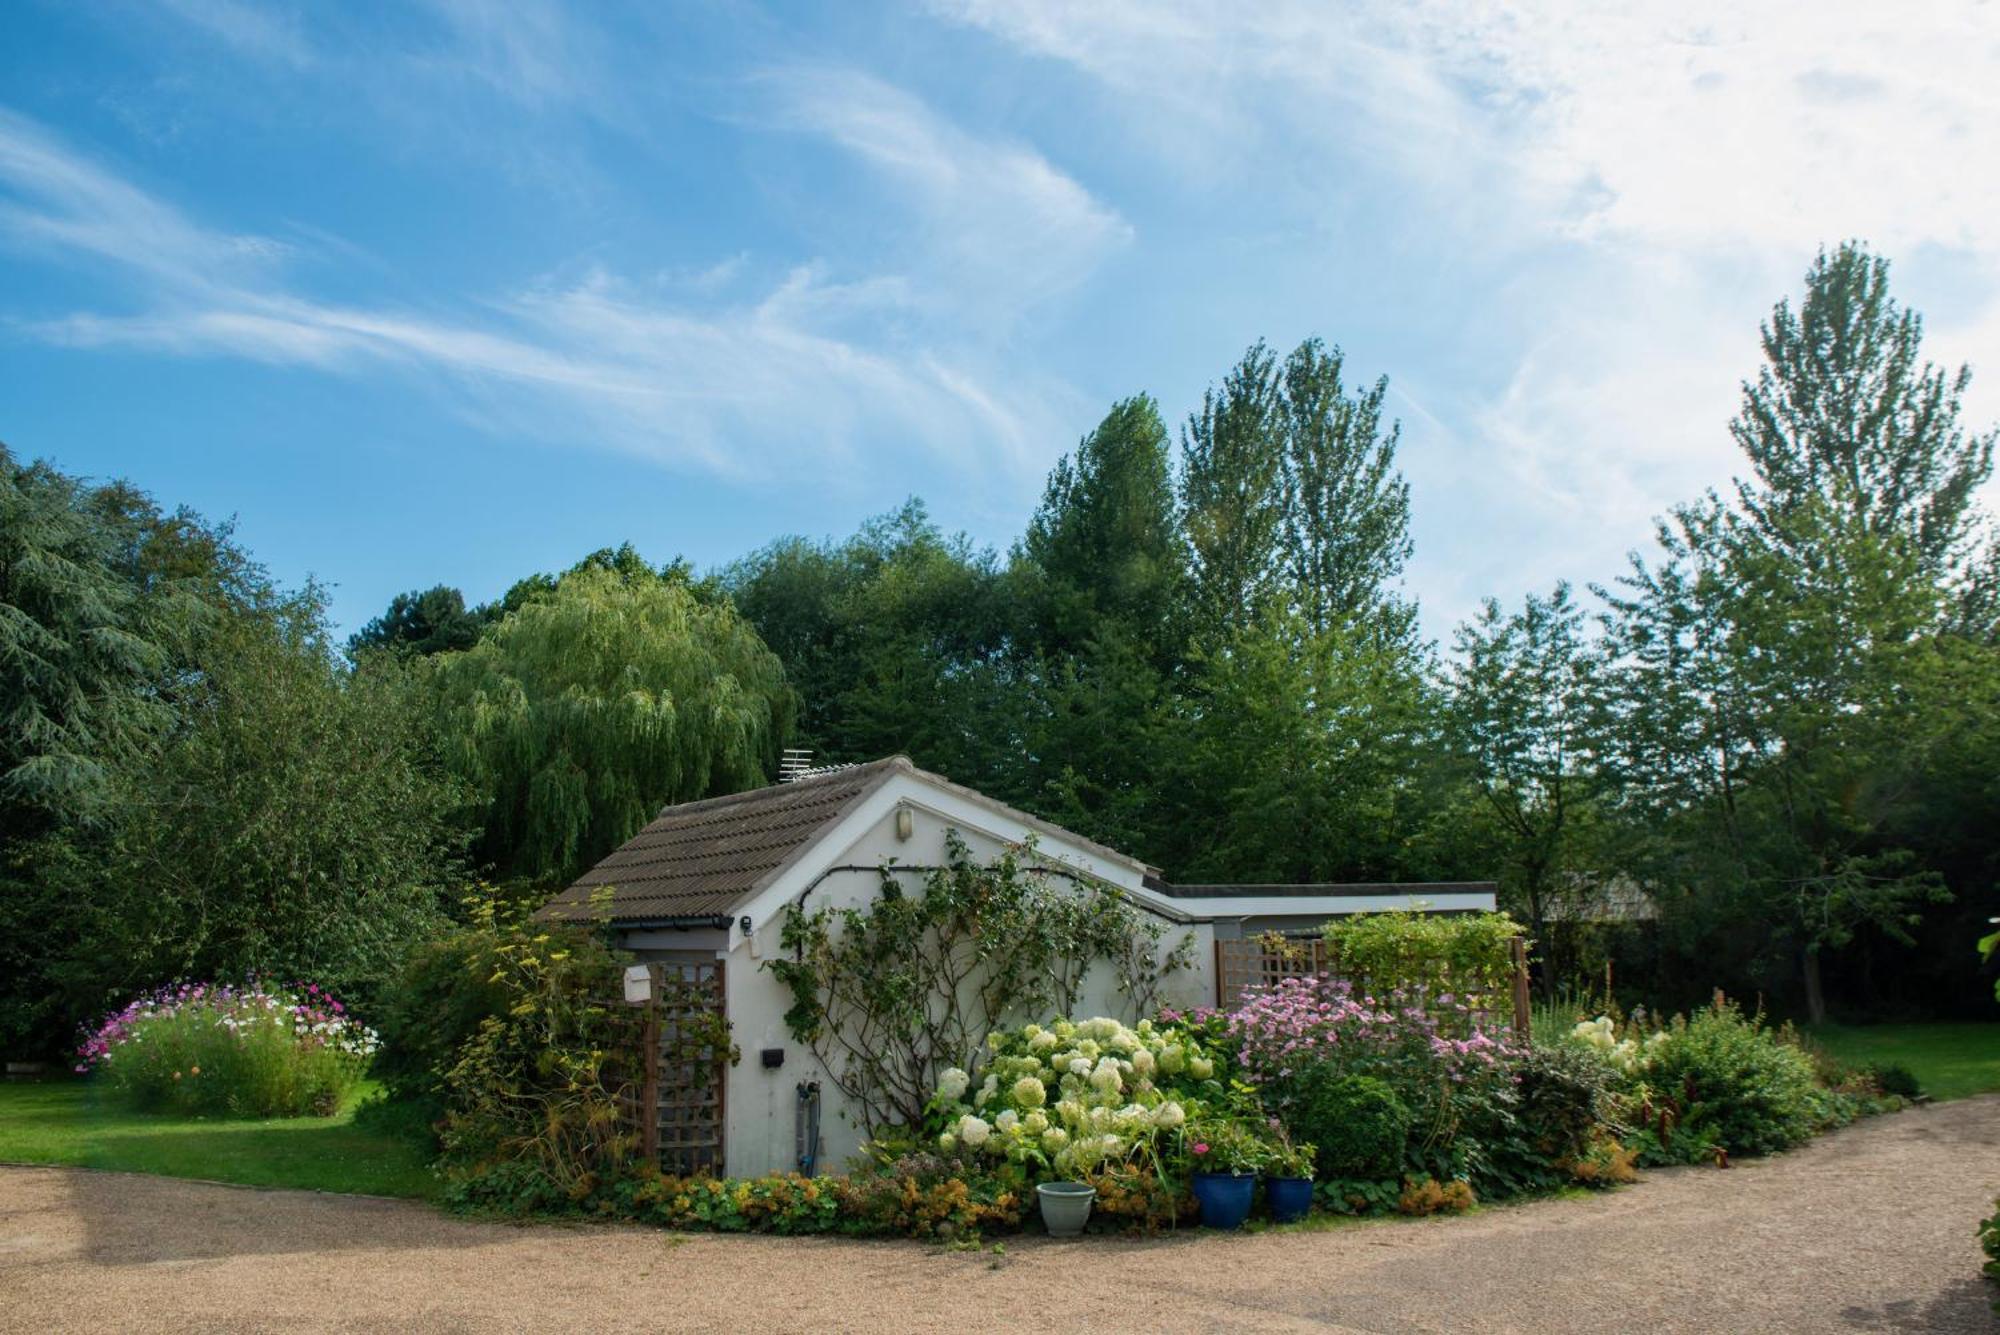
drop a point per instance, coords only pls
(1815, 996)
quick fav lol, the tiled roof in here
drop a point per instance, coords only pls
(702, 859)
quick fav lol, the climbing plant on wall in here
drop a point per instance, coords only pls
(889, 995)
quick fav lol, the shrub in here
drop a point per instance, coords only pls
(1072, 1098)
(1426, 1195)
(253, 1051)
(1989, 1239)
(1292, 1038)
(1896, 1079)
(534, 1094)
(1724, 1080)
(929, 1196)
(1356, 1121)
(1564, 1101)
(430, 1008)
(784, 1203)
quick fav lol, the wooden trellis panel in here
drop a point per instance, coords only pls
(691, 1068)
(1264, 961)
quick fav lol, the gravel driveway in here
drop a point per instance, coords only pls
(1869, 1229)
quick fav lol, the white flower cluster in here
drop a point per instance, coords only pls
(1077, 1095)
(1628, 1055)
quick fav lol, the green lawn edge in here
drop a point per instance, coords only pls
(64, 1122)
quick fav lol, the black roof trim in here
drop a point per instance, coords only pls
(1358, 890)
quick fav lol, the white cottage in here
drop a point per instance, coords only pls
(702, 891)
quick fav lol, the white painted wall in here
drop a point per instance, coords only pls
(762, 1102)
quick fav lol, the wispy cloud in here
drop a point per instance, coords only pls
(996, 226)
(742, 390)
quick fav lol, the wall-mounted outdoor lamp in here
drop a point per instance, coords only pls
(905, 823)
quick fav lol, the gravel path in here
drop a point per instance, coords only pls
(1869, 1229)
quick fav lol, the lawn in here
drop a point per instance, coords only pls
(64, 1122)
(1949, 1060)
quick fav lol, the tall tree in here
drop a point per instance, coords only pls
(1106, 542)
(1347, 509)
(1847, 416)
(1523, 693)
(1233, 495)
(422, 622)
(1777, 689)
(589, 708)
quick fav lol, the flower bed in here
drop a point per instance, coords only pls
(258, 1050)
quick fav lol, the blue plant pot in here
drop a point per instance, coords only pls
(1224, 1198)
(1291, 1198)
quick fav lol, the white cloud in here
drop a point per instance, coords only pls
(1632, 186)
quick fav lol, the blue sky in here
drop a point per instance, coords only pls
(450, 291)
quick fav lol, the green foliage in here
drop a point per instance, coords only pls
(1989, 1242)
(433, 1004)
(1469, 954)
(532, 1098)
(423, 622)
(212, 795)
(1521, 704)
(1723, 1080)
(890, 996)
(588, 708)
(1559, 1117)
(1358, 1123)
(295, 824)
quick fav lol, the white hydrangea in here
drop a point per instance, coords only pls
(974, 1131)
(1044, 1041)
(1201, 1068)
(1079, 1066)
(987, 1091)
(1030, 1092)
(1054, 1139)
(947, 1142)
(1006, 1121)
(1173, 1059)
(953, 1082)
(1035, 1122)
(1142, 1062)
(1169, 1115)
(1106, 1078)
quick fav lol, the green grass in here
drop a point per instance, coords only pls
(1949, 1060)
(65, 1122)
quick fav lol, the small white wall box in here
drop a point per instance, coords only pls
(638, 982)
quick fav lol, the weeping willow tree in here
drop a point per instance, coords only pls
(585, 711)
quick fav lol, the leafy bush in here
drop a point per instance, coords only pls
(785, 1203)
(1426, 1195)
(432, 1006)
(253, 1051)
(533, 1096)
(1073, 1098)
(1896, 1079)
(1290, 1040)
(1726, 1081)
(1564, 1100)
(929, 1196)
(1357, 1123)
(1989, 1238)
(1471, 954)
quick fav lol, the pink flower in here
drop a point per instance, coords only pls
(1200, 1147)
